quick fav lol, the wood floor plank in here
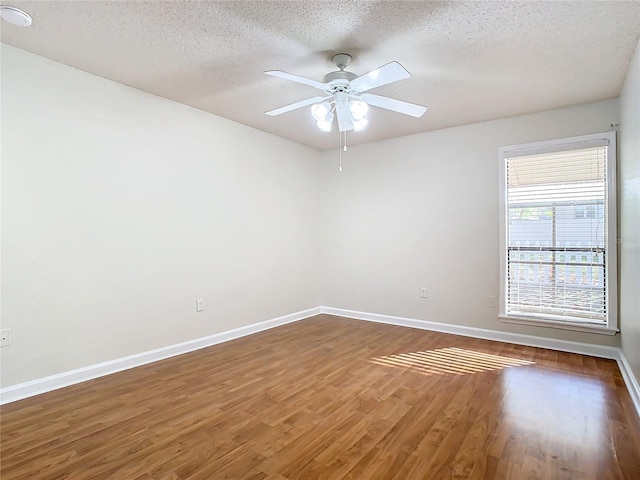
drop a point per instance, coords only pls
(335, 399)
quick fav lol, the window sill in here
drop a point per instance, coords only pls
(579, 327)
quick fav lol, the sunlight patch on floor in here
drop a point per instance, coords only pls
(450, 360)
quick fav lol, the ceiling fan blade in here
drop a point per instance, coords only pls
(395, 105)
(296, 78)
(344, 118)
(389, 73)
(293, 106)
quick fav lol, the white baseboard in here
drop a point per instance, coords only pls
(60, 380)
(507, 337)
(629, 380)
(601, 351)
(64, 379)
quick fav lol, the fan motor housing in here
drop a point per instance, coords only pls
(339, 81)
(339, 75)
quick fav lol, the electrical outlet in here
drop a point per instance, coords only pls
(5, 337)
(493, 302)
(423, 292)
(199, 305)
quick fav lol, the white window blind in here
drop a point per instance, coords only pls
(557, 214)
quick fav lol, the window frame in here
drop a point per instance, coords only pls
(611, 287)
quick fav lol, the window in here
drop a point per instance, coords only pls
(586, 211)
(558, 233)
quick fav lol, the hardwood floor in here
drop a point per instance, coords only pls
(332, 398)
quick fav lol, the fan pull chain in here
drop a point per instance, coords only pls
(340, 149)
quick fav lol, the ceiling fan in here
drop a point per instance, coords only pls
(345, 96)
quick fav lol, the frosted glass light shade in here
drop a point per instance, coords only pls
(320, 110)
(358, 109)
(359, 125)
(326, 122)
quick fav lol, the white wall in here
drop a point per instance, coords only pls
(422, 211)
(629, 202)
(120, 208)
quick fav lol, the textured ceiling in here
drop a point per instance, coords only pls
(470, 61)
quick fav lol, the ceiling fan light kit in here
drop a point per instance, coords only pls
(345, 95)
(358, 109)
